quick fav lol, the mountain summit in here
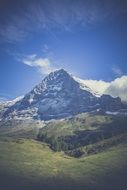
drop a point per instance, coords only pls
(59, 96)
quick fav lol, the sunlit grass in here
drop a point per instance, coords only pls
(34, 161)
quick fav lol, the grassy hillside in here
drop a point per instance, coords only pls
(28, 164)
(96, 159)
(83, 130)
(84, 121)
(20, 129)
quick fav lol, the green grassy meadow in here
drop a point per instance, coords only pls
(28, 164)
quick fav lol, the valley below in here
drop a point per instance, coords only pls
(72, 153)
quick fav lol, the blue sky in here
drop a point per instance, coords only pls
(88, 38)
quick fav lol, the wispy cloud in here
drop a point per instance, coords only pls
(44, 65)
(46, 15)
(12, 34)
(117, 71)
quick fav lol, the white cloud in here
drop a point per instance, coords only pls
(115, 88)
(97, 86)
(43, 64)
(118, 88)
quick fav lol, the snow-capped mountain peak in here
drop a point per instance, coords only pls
(11, 102)
(51, 85)
(59, 95)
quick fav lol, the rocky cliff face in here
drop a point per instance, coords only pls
(59, 96)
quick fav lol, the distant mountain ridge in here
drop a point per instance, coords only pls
(59, 95)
